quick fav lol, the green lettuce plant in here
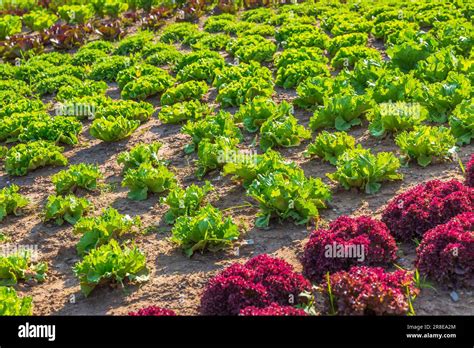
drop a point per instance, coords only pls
(96, 231)
(69, 209)
(185, 202)
(23, 158)
(256, 112)
(184, 111)
(111, 263)
(80, 175)
(425, 143)
(148, 178)
(288, 195)
(347, 56)
(39, 20)
(252, 48)
(59, 129)
(206, 230)
(441, 98)
(244, 90)
(211, 127)
(292, 75)
(11, 201)
(247, 170)
(13, 305)
(211, 153)
(75, 14)
(113, 128)
(139, 154)
(341, 112)
(186, 91)
(461, 121)
(347, 40)
(361, 169)
(282, 130)
(9, 25)
(329, 146)
(147, 86)
(129, 109)
(407, 54)
(395, 117)
(19, 266)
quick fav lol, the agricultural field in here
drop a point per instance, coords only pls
(236, 158)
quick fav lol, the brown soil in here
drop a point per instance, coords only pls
(176, 282)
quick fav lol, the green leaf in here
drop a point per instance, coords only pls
(189, 149)
(138, 194)
(372, 187)
(424, 160)
(88, 241)
(263, 221)
(341, 124)
(376, 129)
(86, 289)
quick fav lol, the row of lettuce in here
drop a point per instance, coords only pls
(68, 24)
(28, 27)
(439, 213)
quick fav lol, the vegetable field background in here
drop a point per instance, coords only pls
(146, 146)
